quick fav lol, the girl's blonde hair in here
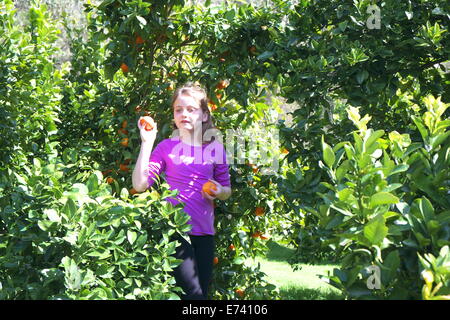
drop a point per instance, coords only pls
(197, 92)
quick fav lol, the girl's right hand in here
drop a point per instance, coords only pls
(147, 135)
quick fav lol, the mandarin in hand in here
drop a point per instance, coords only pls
(208, 186)
(148, 126)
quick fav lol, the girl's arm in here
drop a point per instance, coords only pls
(140, 172)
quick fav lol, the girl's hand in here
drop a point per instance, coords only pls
(216, 192)
(148, 129)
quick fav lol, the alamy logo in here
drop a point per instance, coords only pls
(374, 20)
(261, 147)
(374, 280)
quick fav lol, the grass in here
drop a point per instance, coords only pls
(302, 284)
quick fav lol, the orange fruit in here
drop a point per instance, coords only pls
(259, 211)
(231, 247)
(123, 167)
(124, 142)
(207, 186)
(212, 105)
(106, 172)
(124, 67)
(109, 180)
(240, 293)
(148, 126)
(215, 260)
(222, 84)
(139, 40)
(256, 234)
(284, 151)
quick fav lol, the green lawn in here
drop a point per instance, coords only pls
(303, 284)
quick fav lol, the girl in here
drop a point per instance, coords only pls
(188, 161)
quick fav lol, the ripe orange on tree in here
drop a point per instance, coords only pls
(215, 260)
(256, 234)
(124, 67)
(106, 172)
(109, 180)
(123, 167)
(208, 186)
(139, 40)
(212, 106)
(124, 142)
(222, 84)
(240, 293)
(259, 211)
(231, 247)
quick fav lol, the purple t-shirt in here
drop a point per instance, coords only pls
(187, 168)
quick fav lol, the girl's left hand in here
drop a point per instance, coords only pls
(216, 192)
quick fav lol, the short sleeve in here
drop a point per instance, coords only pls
(222, 170)
(156, 165)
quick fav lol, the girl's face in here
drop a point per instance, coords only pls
(187, 113)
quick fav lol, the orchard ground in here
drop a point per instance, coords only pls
(301, 284)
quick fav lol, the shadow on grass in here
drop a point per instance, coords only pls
(282, 253)
(299, 293)
(278, 252)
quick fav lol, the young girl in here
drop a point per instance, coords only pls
(189, 161)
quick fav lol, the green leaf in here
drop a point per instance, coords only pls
(361, 76)
(53, 215)
(141, 20)
(328, 154)
(265, 55)
(131, 236)
(389, 267)
(92, 183)
(382, 198)
(375, 230)
(423, 209)
(70, 208)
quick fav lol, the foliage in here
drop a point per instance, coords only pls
(63, 235)
(379, 210)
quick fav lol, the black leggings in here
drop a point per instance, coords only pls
(194, 274)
